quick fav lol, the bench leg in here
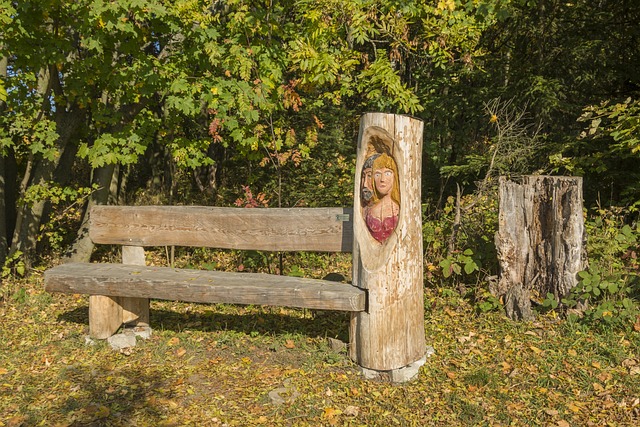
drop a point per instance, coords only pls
(105, 316)
(135, 311)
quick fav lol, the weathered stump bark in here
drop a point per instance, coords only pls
(540, 241)
(388, 339)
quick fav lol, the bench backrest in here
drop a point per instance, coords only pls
(270, 229)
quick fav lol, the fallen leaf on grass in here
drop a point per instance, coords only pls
(551, 412)
(331, 412)
(536, 350)
(181, 352)
(572, 352)
(290, 344)
(173, 341)
(563, 423)
(573, 407)
(351, 411)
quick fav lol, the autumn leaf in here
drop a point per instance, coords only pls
(181, 352)
(351, 411)
(290, 344)
(173, 341)
(536, 350)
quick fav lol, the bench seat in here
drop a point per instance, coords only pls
(203, 286)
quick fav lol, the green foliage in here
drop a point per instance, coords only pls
(458, 261)
(13, 266)
(611, 286)
(474, 237)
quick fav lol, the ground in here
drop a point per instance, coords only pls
(209, 365)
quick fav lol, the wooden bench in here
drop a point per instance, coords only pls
(386, 298)
(134, 227)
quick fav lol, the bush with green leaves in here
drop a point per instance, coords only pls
(460, 253)
(610, 287)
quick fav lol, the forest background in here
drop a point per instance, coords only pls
(257, 103)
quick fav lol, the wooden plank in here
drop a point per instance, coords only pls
(272, 229)
(203, 286)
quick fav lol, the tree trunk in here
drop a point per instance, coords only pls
(388, 339)
(82, 247)
(4, 241)
(29, 217)
(540, 241)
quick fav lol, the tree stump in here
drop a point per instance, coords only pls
(540, 241)
(388, 339)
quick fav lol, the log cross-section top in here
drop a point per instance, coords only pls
(203, 286)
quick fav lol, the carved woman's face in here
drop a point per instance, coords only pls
(383, 179)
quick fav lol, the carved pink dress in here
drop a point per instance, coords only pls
(381, 229)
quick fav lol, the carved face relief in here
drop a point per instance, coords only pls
(380, 195)
(366, 186)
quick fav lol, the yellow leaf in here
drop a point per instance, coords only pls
(173, 341)
(573, 407)
(3, 371)
(572, 352)
(535, 349)
(331, 412)
(596, 365)
(181, 352)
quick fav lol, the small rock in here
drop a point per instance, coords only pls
(143, 332)
(336, 345)
(122, 341)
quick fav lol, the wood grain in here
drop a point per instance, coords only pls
(203, 286)
(135, 311)
(271, 229)
(390, 334)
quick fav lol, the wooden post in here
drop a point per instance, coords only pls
(135, 311)
(105, 316)
(388, 339)
(540, 241)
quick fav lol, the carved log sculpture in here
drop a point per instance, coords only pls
(540, 241)
(388, 339)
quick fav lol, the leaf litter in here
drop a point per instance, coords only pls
(224, 366)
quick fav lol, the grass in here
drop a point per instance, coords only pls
(209, 365)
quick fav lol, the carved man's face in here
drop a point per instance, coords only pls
(367, 188)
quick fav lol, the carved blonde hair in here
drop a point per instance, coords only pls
(387, 162)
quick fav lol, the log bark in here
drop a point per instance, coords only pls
(540, 241)
(390, 334)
